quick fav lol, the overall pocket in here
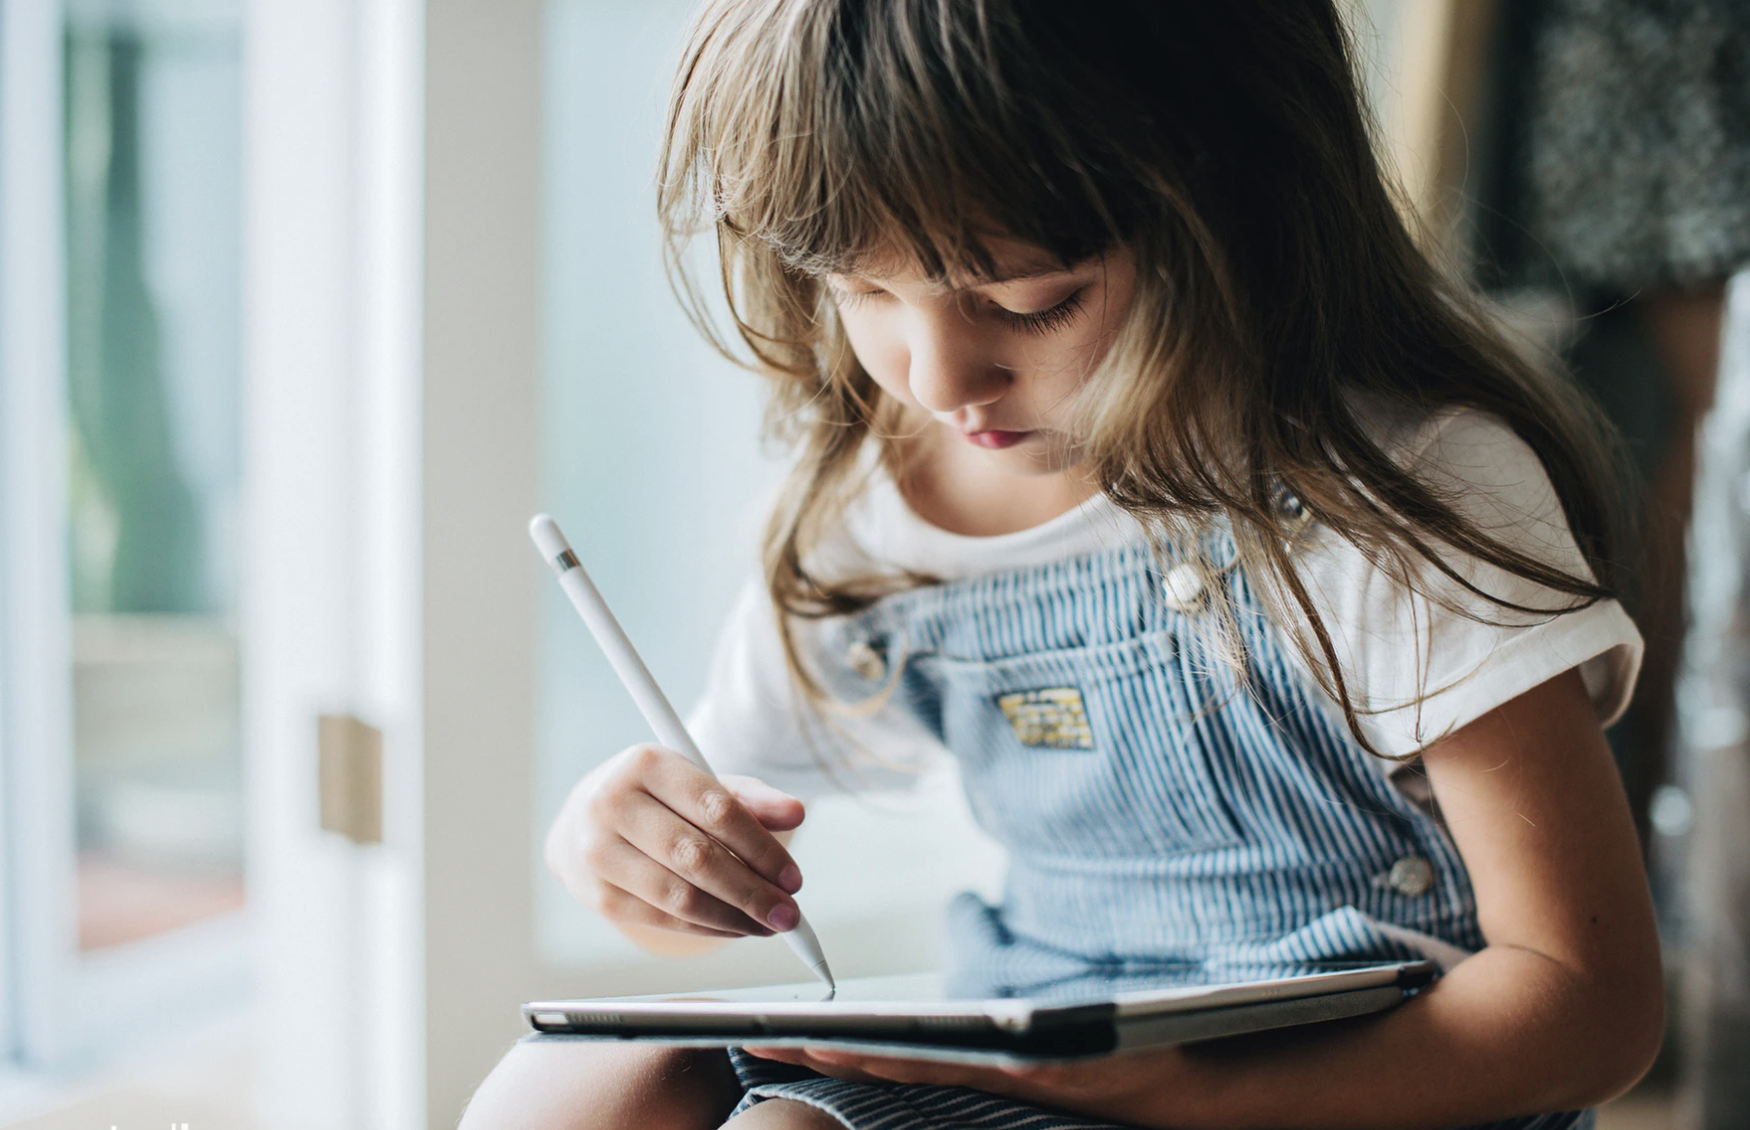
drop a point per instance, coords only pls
(1091, 752)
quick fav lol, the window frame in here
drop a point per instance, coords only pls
(35, 652)
(49, 989)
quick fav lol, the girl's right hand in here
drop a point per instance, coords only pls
(650, 841)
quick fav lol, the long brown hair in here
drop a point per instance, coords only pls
(1278, 286)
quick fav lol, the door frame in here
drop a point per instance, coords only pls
(392, 236)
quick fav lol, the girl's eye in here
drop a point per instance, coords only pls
(1044, 321)
(847, 297)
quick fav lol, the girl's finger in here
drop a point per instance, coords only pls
(889, 1069)
(624, 867)
(708, 805)
(797, 1056)
(857, 1067)
(807, 1057)
(776, 810)
(628, 909)
(703, 862)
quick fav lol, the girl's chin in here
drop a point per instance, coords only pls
(1046, 454)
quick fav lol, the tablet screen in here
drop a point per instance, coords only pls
(1101, 984)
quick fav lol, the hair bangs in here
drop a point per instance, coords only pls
(872, 133)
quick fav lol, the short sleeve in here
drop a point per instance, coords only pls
(751, 720)
(1423, 659)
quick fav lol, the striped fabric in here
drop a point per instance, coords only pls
(903, 1106)
(1221, 816)
(899, 1106)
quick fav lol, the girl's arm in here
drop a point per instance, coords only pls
(1563, 1009)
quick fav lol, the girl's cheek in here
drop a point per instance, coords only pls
(883, 355)
(1056, 380)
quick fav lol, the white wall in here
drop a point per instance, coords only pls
(479, 483)
(654, 467)
(650, 462)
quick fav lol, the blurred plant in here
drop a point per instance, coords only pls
(136, 529)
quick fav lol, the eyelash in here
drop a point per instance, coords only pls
(1044, 321)
(1034, 322)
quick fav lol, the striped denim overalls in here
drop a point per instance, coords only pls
(1157, 804)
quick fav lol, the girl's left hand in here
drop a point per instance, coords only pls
(1106, 1087)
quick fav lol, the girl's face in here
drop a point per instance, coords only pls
(992, 366)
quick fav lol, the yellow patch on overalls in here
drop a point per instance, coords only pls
(1052, 718)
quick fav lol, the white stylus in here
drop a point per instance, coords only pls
(652, 703)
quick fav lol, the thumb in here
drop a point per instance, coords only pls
(778, 811)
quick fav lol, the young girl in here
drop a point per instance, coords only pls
(1263, 594)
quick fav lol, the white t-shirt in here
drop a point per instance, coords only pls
(1416, 668)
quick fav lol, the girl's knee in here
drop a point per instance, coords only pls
(783, 1114)
(596, 1086)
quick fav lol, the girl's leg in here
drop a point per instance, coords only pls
(783, 1114)
(590, 1086)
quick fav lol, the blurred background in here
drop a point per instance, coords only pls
(306, 307)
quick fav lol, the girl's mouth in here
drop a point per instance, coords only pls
(994, 439)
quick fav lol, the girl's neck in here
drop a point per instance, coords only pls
(948, 485)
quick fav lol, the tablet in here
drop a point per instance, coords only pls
(921, 1016)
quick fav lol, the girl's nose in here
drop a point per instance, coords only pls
(949, 368)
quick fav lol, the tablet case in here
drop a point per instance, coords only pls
(900, 1016)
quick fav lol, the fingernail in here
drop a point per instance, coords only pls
(790, 878)
(783, 917)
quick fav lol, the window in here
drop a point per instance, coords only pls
(119, 697)
(152, 188)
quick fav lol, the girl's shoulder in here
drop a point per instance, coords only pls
(1430, 649)
(1478, 465)
(1442, 441)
